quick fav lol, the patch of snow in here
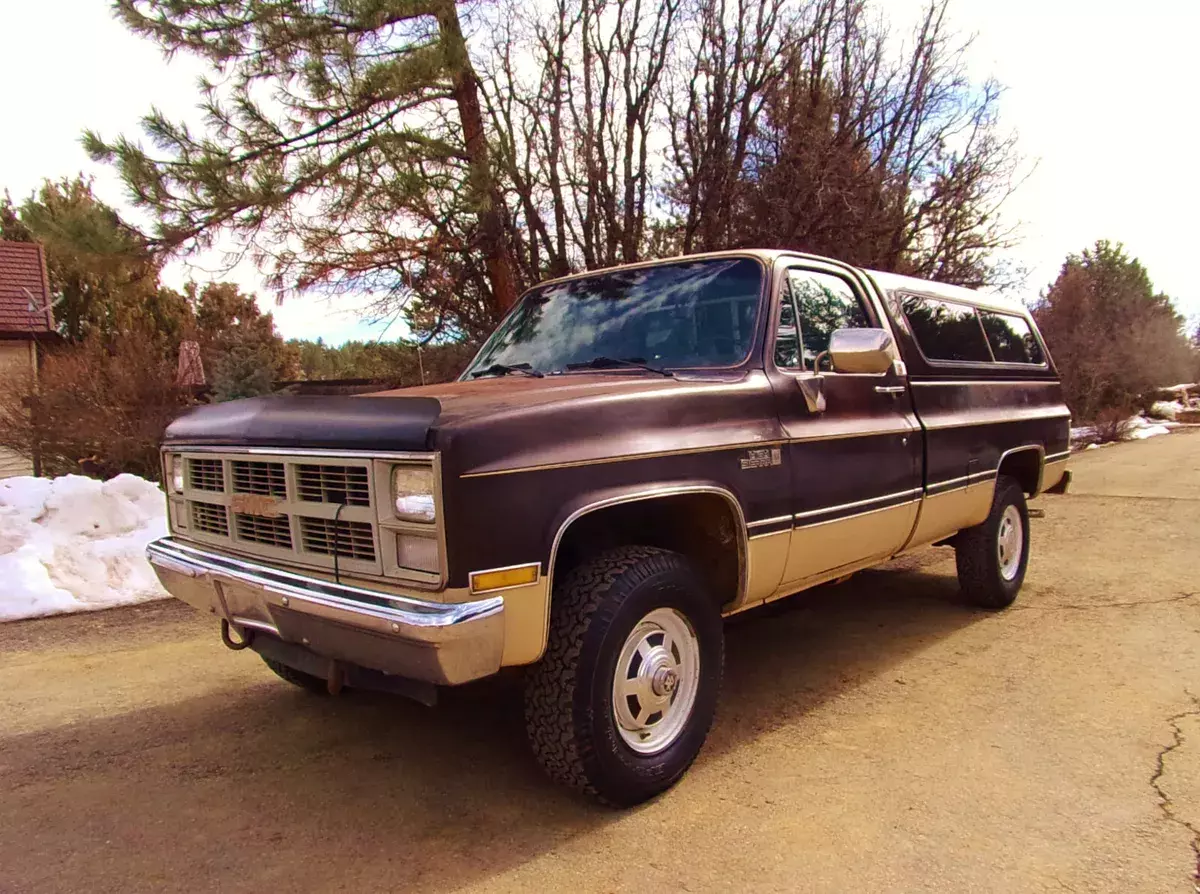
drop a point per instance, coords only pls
(74, 544)
(1141, 432)
(1138, 428)
(1166, 409)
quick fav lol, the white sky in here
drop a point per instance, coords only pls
(1102, 95)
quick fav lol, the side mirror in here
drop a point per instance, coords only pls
(860, 350)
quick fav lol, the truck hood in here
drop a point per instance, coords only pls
(402, 419)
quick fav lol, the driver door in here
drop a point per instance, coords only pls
(855, 465)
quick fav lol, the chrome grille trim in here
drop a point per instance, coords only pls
(206, 474)
(210, 518)
(353, 540)
(257, 477)
(275, 531)
(329, 483)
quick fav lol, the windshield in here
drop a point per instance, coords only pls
(689, 314)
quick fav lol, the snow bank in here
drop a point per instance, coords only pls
(1138, 428)
(1166, 409)
(76, 544)
(1141, 428)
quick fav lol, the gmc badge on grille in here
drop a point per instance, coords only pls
(255, 504)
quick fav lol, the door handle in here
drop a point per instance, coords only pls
(890, 389)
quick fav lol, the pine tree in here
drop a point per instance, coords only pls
(1113, 337)
(102, 278)
(346, 145)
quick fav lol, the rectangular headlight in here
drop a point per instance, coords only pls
(417, 553)
(412, 493)
(175, 473)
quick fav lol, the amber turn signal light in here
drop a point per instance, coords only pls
(503, 578)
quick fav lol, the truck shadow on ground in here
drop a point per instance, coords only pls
(267, 787)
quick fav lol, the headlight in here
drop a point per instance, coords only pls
(175, 471)
(412, 493)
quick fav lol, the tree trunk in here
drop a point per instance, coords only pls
(485, 194)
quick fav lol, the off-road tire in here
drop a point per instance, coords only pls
(979, 576)
(568, 695)
(295, 677)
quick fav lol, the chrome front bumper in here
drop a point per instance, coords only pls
(430, 641)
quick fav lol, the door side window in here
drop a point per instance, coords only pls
(823, 302)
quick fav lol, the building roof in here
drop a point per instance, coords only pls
(23, 285)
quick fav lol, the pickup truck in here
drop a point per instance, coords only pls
(633, 455)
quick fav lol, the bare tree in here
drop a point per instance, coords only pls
(575, 128)
(735, 55)
(843, 143)
(377, 147)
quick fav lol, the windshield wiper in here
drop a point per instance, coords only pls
(612, 363)
(503, 369)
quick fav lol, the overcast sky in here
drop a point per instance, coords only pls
(1102, 95)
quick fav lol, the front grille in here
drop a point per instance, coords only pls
(342, 485)
(206, 474)
(259, 478)
(282, 508)
(354, 540)
(269, 531)
(210, 519)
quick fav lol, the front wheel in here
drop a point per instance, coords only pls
(992, 557)
(624, 697)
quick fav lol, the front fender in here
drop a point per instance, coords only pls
(603, 498)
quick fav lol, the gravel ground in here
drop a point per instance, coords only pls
(873, 736)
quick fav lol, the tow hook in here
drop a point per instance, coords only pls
(230, 642)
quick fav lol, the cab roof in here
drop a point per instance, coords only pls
(889, 282)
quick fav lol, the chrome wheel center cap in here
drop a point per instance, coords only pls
(664, 681)
(656, 681)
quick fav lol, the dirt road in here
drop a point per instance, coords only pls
(873, 736)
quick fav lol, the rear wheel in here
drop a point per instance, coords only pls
(992, 557)
(621, 703)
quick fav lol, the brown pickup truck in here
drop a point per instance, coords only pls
(633, 455)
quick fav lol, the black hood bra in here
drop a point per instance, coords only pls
(314, 421)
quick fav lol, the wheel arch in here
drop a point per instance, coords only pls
(599, 509)
(1025, 464)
